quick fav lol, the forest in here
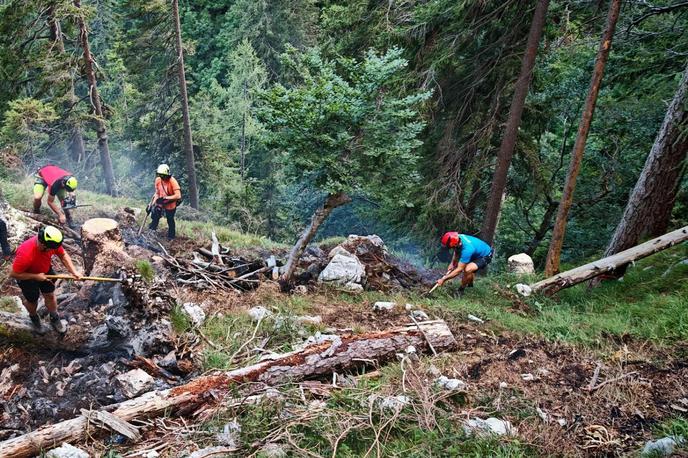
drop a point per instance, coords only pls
(553, 128)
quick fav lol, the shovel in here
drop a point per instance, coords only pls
(69, 277)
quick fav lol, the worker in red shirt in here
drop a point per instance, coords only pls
(57, 182)
(167, 195)
(32, 263)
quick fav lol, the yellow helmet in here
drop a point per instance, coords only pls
(71, 183)
(50, 236)
(163, 169)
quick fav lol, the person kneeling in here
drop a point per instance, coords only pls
(470, 255)
(32, 263)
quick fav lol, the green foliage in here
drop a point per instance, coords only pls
(27, 124)
(145, 269)
(179, 319)
(342, 127)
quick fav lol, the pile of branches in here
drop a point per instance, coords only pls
(217, 272)
(384, 271)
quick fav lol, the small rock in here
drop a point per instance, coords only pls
(503, 385)
(542, 414)
(169, 361)
(259, 313)
(662, 447)
(353, 287)
(151, 454)
(477, 426)
(409, 307)
(475, 318)
(450, 384)
(300, 289)
(433, 370)
(384, 306)
(230, 434)
(308, 319)
(66, 451)
(394, 403)
(134, 382)
(195, 313)
(562, 422)
(521, 264)
(410, 349)
(338, 250)
(420, 315)
(273, 451)
(528, 377)
(524, 290)
(212, 451)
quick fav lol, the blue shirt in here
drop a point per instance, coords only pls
(473, 248)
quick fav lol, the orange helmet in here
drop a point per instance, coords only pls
(451, 239)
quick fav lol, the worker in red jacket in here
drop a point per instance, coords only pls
(57, 182)
(32, 262)
(165, 200)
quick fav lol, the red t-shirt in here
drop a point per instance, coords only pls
(29, 257)
(52, 173)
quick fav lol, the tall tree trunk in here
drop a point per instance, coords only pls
(76, 141)
(554, 253)
(188, 141)
(331, 202)
(506, 150)
(101, 131)
(649, 206)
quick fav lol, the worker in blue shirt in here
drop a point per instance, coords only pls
(470, 255)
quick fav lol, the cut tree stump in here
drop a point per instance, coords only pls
(346, 352)
(104, 253)
(585, 272)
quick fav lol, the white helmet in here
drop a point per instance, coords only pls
(163, 169)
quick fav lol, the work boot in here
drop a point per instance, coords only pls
(35, 320)
(57, 323)
(37, 207)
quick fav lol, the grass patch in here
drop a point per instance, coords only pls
(145, 269)
(650, 304)
(180, 320)
(8, 304)
(677, 426)
(235, 335)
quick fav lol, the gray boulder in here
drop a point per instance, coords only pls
(342, 270)
(521, 264)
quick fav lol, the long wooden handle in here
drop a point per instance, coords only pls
(69, 277)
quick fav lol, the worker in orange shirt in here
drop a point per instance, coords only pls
(165, 200)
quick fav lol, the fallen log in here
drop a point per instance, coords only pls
(345, 352)
(552, 285)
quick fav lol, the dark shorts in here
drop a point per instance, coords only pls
(482, 262)
(31, 289)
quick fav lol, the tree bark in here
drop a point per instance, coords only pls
(76, 141)
(188, 141)
(331, 202)
(554, 253)
(101, 130)
(650, 204)
(580, 274)
(506, 150)
(317, 360)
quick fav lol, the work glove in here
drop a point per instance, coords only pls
(149, 209)
(162, 201)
